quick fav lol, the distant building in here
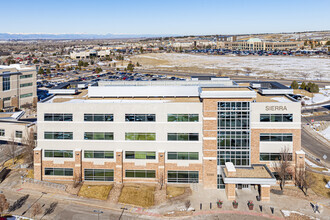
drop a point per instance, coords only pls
(88, 54)
(258, 44)
(17, 86)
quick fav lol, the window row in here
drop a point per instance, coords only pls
(98, 117)
(25, 85)
(59, 153)
(233, 105)
(140, 117)
(58, 135)
(98, 154)
(131, 117)
(182, 117)
(276, 118)
(140, 155)
(57, 117)
(108, 174)
(25, 76)
(238, 158)
(129, 136)
(273, 156)
(98, 135)
(58, 171)
(26, 95)
(140, 173)
(182, 136)
(182, 155)
(275, 137)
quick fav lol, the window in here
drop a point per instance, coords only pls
(140, 117)
(275, 137)
(98, 136)
(58, 171)
(98, 117)
(6, 83)
(98, 174)
(25, 76)
(2, 132)
(182, 117)
(276, 117)
(182, 176)
(233, 139)
(140, 155)
(238, 158)
(57, 117)
(25, 95)
(273, 156)
(59, 153)
(25, 85)
(6, 99)
(98, 154)
(140, 173)
(58, 135)
(182, 136)
(182, 155)
(140, 136)
(18, 134)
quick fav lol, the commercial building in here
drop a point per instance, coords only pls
(89, 54)
(17, 86)
(216, 133)
(258, 44)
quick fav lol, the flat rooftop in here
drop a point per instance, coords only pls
(255, 171)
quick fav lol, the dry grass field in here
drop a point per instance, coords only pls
(95, 192)
(138, 195)
(172, 191)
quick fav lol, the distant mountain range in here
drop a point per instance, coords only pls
(9, 36)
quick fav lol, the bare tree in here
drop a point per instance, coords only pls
(29, 143)
(305, 75)
(36, 209)
(282, 165)
(304, 180)
(4, 205)
(248, 70)
(76, 180)
(187, 204)
(161, 181)
(11, 148)
(220, 73)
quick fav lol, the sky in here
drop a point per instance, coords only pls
(162, 17)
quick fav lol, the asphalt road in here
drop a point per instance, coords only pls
(313, 145)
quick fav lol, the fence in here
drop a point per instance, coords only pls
(44, 183)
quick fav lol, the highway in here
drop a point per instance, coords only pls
(312, 144)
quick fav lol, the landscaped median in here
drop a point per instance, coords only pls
(95, 191)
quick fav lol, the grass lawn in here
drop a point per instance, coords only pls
(139, 195)
(95, 192)
(172, 191)
(319, 186)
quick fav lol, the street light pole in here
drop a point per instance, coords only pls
(98, 213)
(123, 208)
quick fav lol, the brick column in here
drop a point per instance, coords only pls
(230, 191)
(37, 163)
(1, 103)
(14, 101)
(118, 175)
(77, 164)
(264, 192)
(161, 166)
